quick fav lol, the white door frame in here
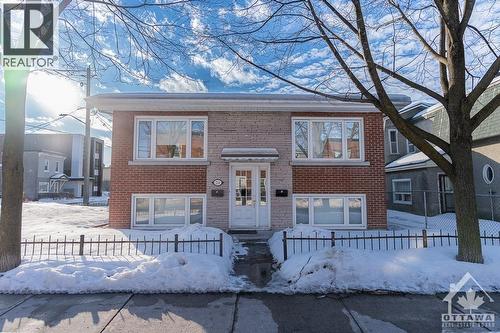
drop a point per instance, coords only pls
(255, 165)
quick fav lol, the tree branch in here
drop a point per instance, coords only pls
(426, 45)
(468, 8)
(485, 112)
(443, 70)
(483, 83)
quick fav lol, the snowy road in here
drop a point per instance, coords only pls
(224, 313)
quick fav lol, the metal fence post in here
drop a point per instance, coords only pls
(285, 250)
(82, 242)
(333, 238)
(176, 243)
(425, 209)
(424, 238)
(491, 205)
(221, 248)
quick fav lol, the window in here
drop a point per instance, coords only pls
(401, 191)
(168, 210)
(330, 210)
(57, 166)
(170, 138)
(43, 187)
(488, 174)
(410, 147)
(393, 141)
(46, 166)
(328, 139)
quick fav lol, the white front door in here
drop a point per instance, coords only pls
(249, 197)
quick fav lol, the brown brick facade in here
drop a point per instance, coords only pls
(369, 180)
(128, 179)
(246, 129)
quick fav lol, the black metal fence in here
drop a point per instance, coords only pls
(375, 241)
(100, 246)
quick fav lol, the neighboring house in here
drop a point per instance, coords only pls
(410, 175)
(244, 161)
(53, 165)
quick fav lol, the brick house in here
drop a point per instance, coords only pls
(245, 161)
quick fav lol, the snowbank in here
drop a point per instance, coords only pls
(170, 272)
(425, 271)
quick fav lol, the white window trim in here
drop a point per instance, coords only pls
(152, 196)
(46, 165)
(345, 197)
(154, 120)
(408, 143)
(394, 181)
(390, 142)
(485, 178)
(344, 139)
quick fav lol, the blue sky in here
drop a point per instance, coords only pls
(177, 56)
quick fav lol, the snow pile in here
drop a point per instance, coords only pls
(425, 271)
(170, 272)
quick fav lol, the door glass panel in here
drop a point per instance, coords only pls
(263, 184)
(243, 190)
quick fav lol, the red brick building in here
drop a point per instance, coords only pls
(242, 161)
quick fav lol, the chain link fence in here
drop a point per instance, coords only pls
(435, 210)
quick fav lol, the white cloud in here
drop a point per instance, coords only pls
(228, 71)
(177, 83)
(256, 10)
(54, 94)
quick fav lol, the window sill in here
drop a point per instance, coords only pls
(329, 163)
(176, 162)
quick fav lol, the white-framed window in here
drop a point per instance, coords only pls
(335, 139)
(168, 210)
(330, 210)
(167, 138)
(46, 165)
(43, 187)
(393, 141)
(410, 147)
(488, 174)
(401, 191)
(57, 166)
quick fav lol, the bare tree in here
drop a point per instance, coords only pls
(139, 44)
(450, 46)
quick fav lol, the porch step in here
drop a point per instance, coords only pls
(241, 232)
(252, 235)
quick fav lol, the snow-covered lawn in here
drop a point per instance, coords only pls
(447, 222)
(194, 269)
(337, 269)
(424, 271)
(102, 200)
(169, 272)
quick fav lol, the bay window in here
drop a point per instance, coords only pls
(332, 210)
(167, 138)
(168, 210)
(334, 139)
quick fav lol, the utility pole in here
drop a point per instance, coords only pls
(86, 146)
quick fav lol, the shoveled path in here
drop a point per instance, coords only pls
(216, 313)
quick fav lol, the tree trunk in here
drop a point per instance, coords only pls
(469, 241)
(12, 169)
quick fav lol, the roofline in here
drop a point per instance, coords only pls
(110, 103)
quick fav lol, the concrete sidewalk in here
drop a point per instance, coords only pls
(253, 313)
